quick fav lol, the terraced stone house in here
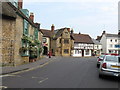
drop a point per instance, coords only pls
(60, 41)
(20, 37)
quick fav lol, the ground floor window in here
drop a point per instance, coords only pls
(113, 51)
(116, 51)
(87, 52)
(77, 51)
(66, 51)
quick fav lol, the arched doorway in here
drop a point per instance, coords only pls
(45, 50)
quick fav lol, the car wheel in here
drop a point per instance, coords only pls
(98, 66)
(100, 76)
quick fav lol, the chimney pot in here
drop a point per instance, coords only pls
(52, 27)
(32, 16)
(68, 29)
(104, 32)
(20, 4)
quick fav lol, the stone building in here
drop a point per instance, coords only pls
(62, 42)
(46, 40)
(59, 42)
(7, 34)
(20, 39)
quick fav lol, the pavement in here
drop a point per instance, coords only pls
(13, 69)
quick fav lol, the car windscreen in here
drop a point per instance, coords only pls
(113, 58)
(102, 56)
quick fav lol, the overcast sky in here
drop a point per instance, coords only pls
(85, 16)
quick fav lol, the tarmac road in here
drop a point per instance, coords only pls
(62, 72)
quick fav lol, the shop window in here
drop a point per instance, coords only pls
(44, 40)
(87, 52)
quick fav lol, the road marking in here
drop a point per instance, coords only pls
(32, 68)
(34, 77)
(1, 87)
(43, 80)
(8, 75)
(13, 74)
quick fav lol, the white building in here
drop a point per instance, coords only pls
(110, 43)
(83, 45)
(97, 47)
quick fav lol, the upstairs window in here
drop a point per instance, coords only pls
(66, 41)
(36, 34)
(111, 40)
(44, 40)
(26, 27)
(111, 46)
(60, 41)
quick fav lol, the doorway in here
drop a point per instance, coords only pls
(82, 53)
(45, 50)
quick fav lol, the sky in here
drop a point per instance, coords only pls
(85, 16)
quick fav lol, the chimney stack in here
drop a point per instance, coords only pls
(103, 32)
(72, 31)
(79, 32)
(20, 4)
(32, 16)
(38, 25)
(52, 27)
(119, 33)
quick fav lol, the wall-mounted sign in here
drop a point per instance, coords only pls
(117, 46)
(45, 44)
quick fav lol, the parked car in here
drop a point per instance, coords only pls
(110, 66)
(99, 60)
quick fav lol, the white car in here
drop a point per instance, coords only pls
(99, 60)
(110, 66)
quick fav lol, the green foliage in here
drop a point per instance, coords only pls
(37, 41)
(27, 38)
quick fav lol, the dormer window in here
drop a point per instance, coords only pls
(66, 33)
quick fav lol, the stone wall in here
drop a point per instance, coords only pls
(8, 41)
(18, 41)
(0, 38)
(58, 48)
(31, 30)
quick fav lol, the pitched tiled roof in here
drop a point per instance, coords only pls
(99, 38)
(111, 35)
(82, 38)
(58, 33)
(7, 10)
(22, 15)
(46, 33)
(96, 42)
